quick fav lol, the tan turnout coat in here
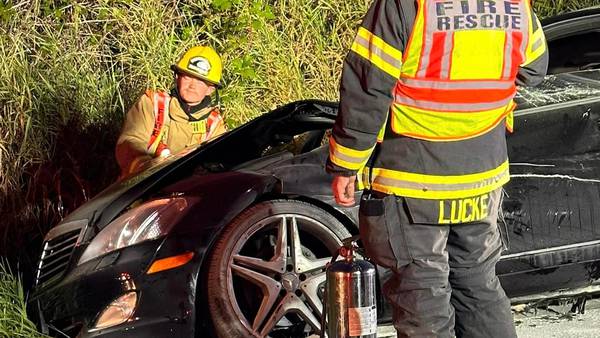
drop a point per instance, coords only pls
(133, 143)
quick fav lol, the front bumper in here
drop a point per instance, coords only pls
(165, 300)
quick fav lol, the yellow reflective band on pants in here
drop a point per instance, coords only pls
(348, 158)
(437, 187)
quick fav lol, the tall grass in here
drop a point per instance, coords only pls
(13, 314)
(70, 69)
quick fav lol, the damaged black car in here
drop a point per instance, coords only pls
(231, 238)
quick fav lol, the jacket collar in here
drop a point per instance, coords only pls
(190, 111)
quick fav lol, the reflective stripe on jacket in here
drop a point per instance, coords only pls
(160, 102)
(443, 75)
(205, 128)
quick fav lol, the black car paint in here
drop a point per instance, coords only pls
(551, 203)
(233, 172)
(91, 286)
(80, 297)
(568, 16)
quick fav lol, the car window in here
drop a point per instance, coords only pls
(572, 41)
(574, 53)
(560, 88)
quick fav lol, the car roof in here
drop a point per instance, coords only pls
(571, 15)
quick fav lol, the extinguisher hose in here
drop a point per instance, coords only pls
(324, 313)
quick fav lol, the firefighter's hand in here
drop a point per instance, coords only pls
(165, 153)
(343, 190)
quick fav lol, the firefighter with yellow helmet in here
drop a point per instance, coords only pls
(162, 123)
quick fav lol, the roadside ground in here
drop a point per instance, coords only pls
(552, 321)
(556, 321)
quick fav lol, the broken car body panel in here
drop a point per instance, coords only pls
(552, 204)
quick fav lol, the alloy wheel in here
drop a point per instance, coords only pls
(289, 275)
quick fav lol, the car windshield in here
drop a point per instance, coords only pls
(557, 89)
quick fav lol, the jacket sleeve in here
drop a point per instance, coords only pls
(535, 66)
(131, 150)
(369, 74)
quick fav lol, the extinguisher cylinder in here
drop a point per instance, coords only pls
(351, 302)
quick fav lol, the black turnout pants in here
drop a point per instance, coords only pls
(443, 280)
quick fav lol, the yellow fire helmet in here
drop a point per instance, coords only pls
(201, 62)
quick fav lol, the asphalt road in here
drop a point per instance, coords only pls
(549, 322)
(557, 322)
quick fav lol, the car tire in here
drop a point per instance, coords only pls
(287, 224)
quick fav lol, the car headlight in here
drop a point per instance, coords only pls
(148, 221)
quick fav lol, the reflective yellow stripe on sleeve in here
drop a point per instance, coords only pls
(346, 157)
(378, 52)
(536, 46)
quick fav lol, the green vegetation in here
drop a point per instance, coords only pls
(13, 317)
(546, 8)
(69, 69)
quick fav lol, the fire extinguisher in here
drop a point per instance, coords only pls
(349, 307)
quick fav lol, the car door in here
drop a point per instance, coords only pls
(573, 40)
(551, 208)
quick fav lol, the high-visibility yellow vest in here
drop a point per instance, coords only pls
(457, 78)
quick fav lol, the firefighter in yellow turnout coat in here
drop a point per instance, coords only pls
(426, 97)
(160, 123)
